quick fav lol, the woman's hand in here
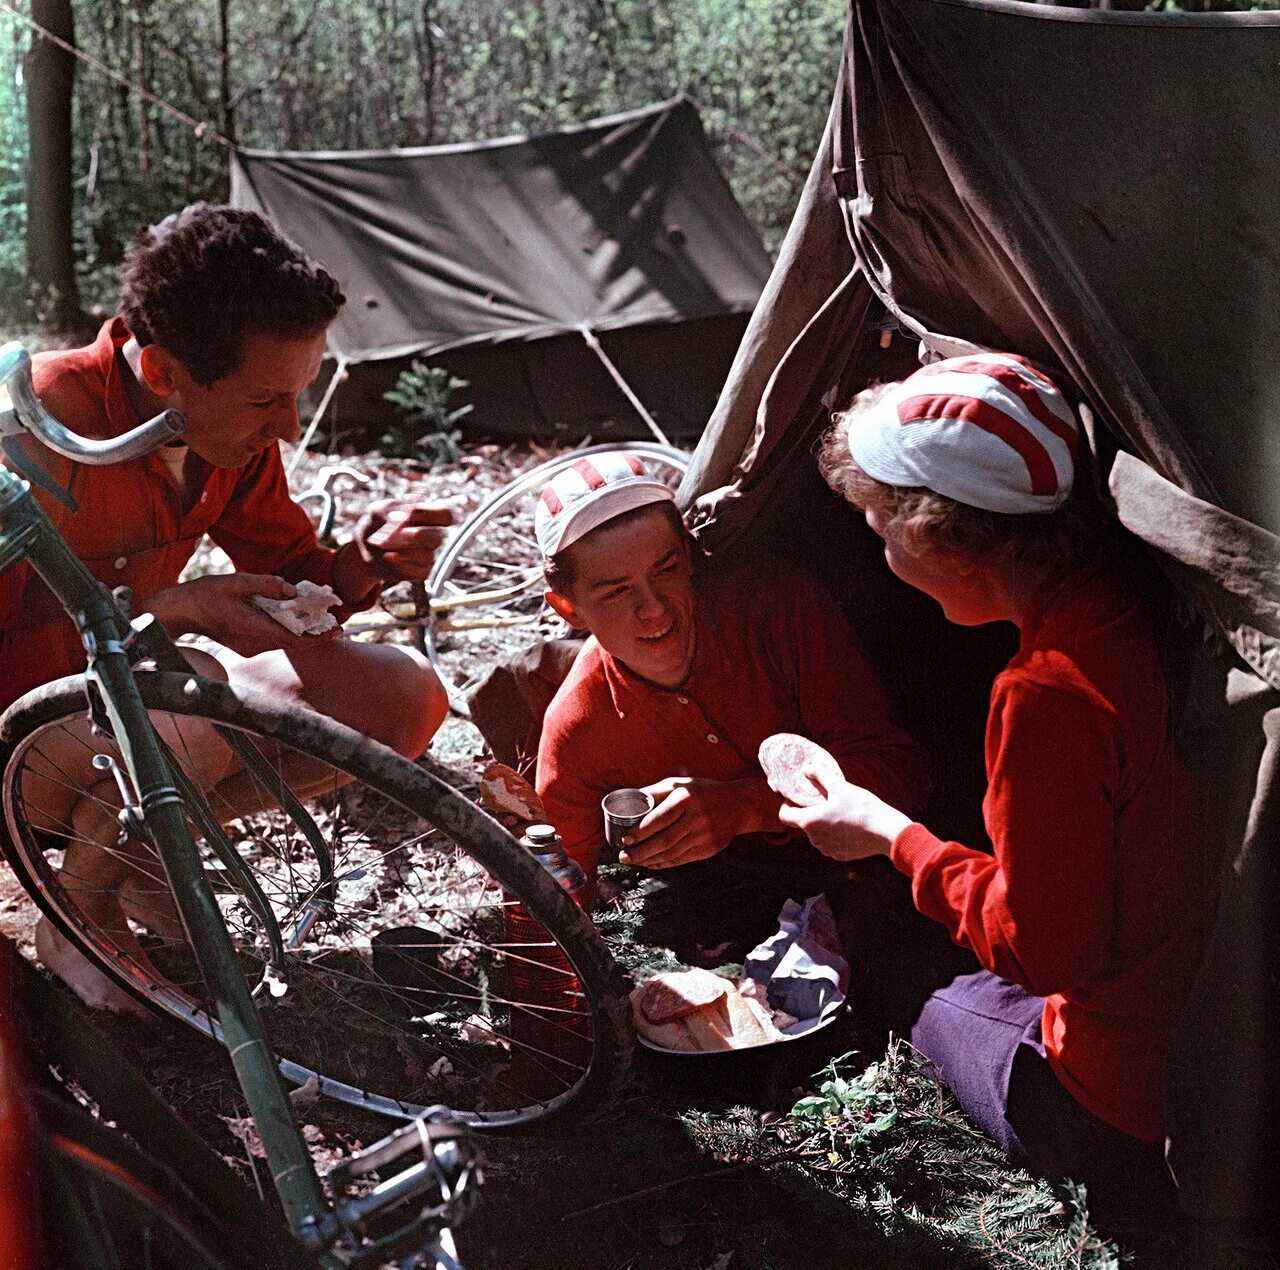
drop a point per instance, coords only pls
(851, 823)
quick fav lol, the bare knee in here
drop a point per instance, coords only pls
(420, 707)
(404, 702)
(385, 691)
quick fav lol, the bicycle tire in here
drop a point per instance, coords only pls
(670, 462)
(364, 773)
(116, 1206)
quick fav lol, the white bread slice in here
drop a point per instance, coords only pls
(710, 1027)
(670, 1036)
(307, 613)
(751, 1023)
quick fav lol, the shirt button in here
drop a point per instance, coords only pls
(204, 498)
(684, 701)
(711, 736)
(121, 562)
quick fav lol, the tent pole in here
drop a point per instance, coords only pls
(594, 344)
(338, 371)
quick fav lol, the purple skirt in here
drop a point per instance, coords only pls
(981, 1036)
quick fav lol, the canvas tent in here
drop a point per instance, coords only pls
(529, 263)
(1099, 191)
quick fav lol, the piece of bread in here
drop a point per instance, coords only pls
(695, 1011)
(677, 994)
(710, 1026)
(307, 613)
(506, 793)
(798, 769)
(670, 1036)
(749, 1023)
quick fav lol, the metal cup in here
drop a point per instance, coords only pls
(623, 810)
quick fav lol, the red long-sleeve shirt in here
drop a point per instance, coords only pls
(773, 654)
(131, 529)
(1096, 896)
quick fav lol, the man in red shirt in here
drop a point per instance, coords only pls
(224, 320)
(1088, 918)
(685, 674)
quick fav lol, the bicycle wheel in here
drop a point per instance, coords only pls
(451, 1020)
(490, 571)
(105, 1203)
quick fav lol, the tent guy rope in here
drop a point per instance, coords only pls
(200, 127)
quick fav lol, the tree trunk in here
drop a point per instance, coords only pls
(50, 77)
(227, 110)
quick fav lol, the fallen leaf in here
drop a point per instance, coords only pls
(721, 1262)
(480, 1031)
(306, 1094)
(714, 953)
(244, 1129)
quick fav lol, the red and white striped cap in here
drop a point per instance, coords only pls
(593, 490)
(986, 429)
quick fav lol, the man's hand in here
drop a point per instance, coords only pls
(695, 819)
(394, 541)
(851, 823)
(220, 606)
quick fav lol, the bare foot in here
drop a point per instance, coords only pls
(89, 983)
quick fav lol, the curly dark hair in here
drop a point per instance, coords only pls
(925, 519)
(202, 278)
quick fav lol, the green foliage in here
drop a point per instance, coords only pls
(424, 395)
(620, 921)
(892, 1144)
(358, 73)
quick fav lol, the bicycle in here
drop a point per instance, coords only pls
(280, 947)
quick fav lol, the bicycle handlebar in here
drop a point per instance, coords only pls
(26, 413)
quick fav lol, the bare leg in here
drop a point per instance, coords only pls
(387, 692)
(111, 882)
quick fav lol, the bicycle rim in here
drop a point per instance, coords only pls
(451, 1019)
(494, 554)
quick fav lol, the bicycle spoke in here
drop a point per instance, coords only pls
(375, 1028)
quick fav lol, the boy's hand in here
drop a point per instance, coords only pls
(220, 606)
(695, 819)
(851, 823)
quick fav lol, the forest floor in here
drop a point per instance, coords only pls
(707, 1163)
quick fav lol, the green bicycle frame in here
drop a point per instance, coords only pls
(26, 532)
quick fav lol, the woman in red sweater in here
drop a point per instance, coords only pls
(1087, 919)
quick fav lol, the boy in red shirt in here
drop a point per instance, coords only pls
(1087, 919)
(684, 675)
(225, 321)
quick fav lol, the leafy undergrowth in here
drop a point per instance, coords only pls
(890, 1143)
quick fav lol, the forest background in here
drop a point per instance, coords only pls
(340, 74)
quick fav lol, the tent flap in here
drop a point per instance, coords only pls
(1099, 192)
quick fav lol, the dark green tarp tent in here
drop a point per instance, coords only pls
(1099, 191)
(499, 258)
